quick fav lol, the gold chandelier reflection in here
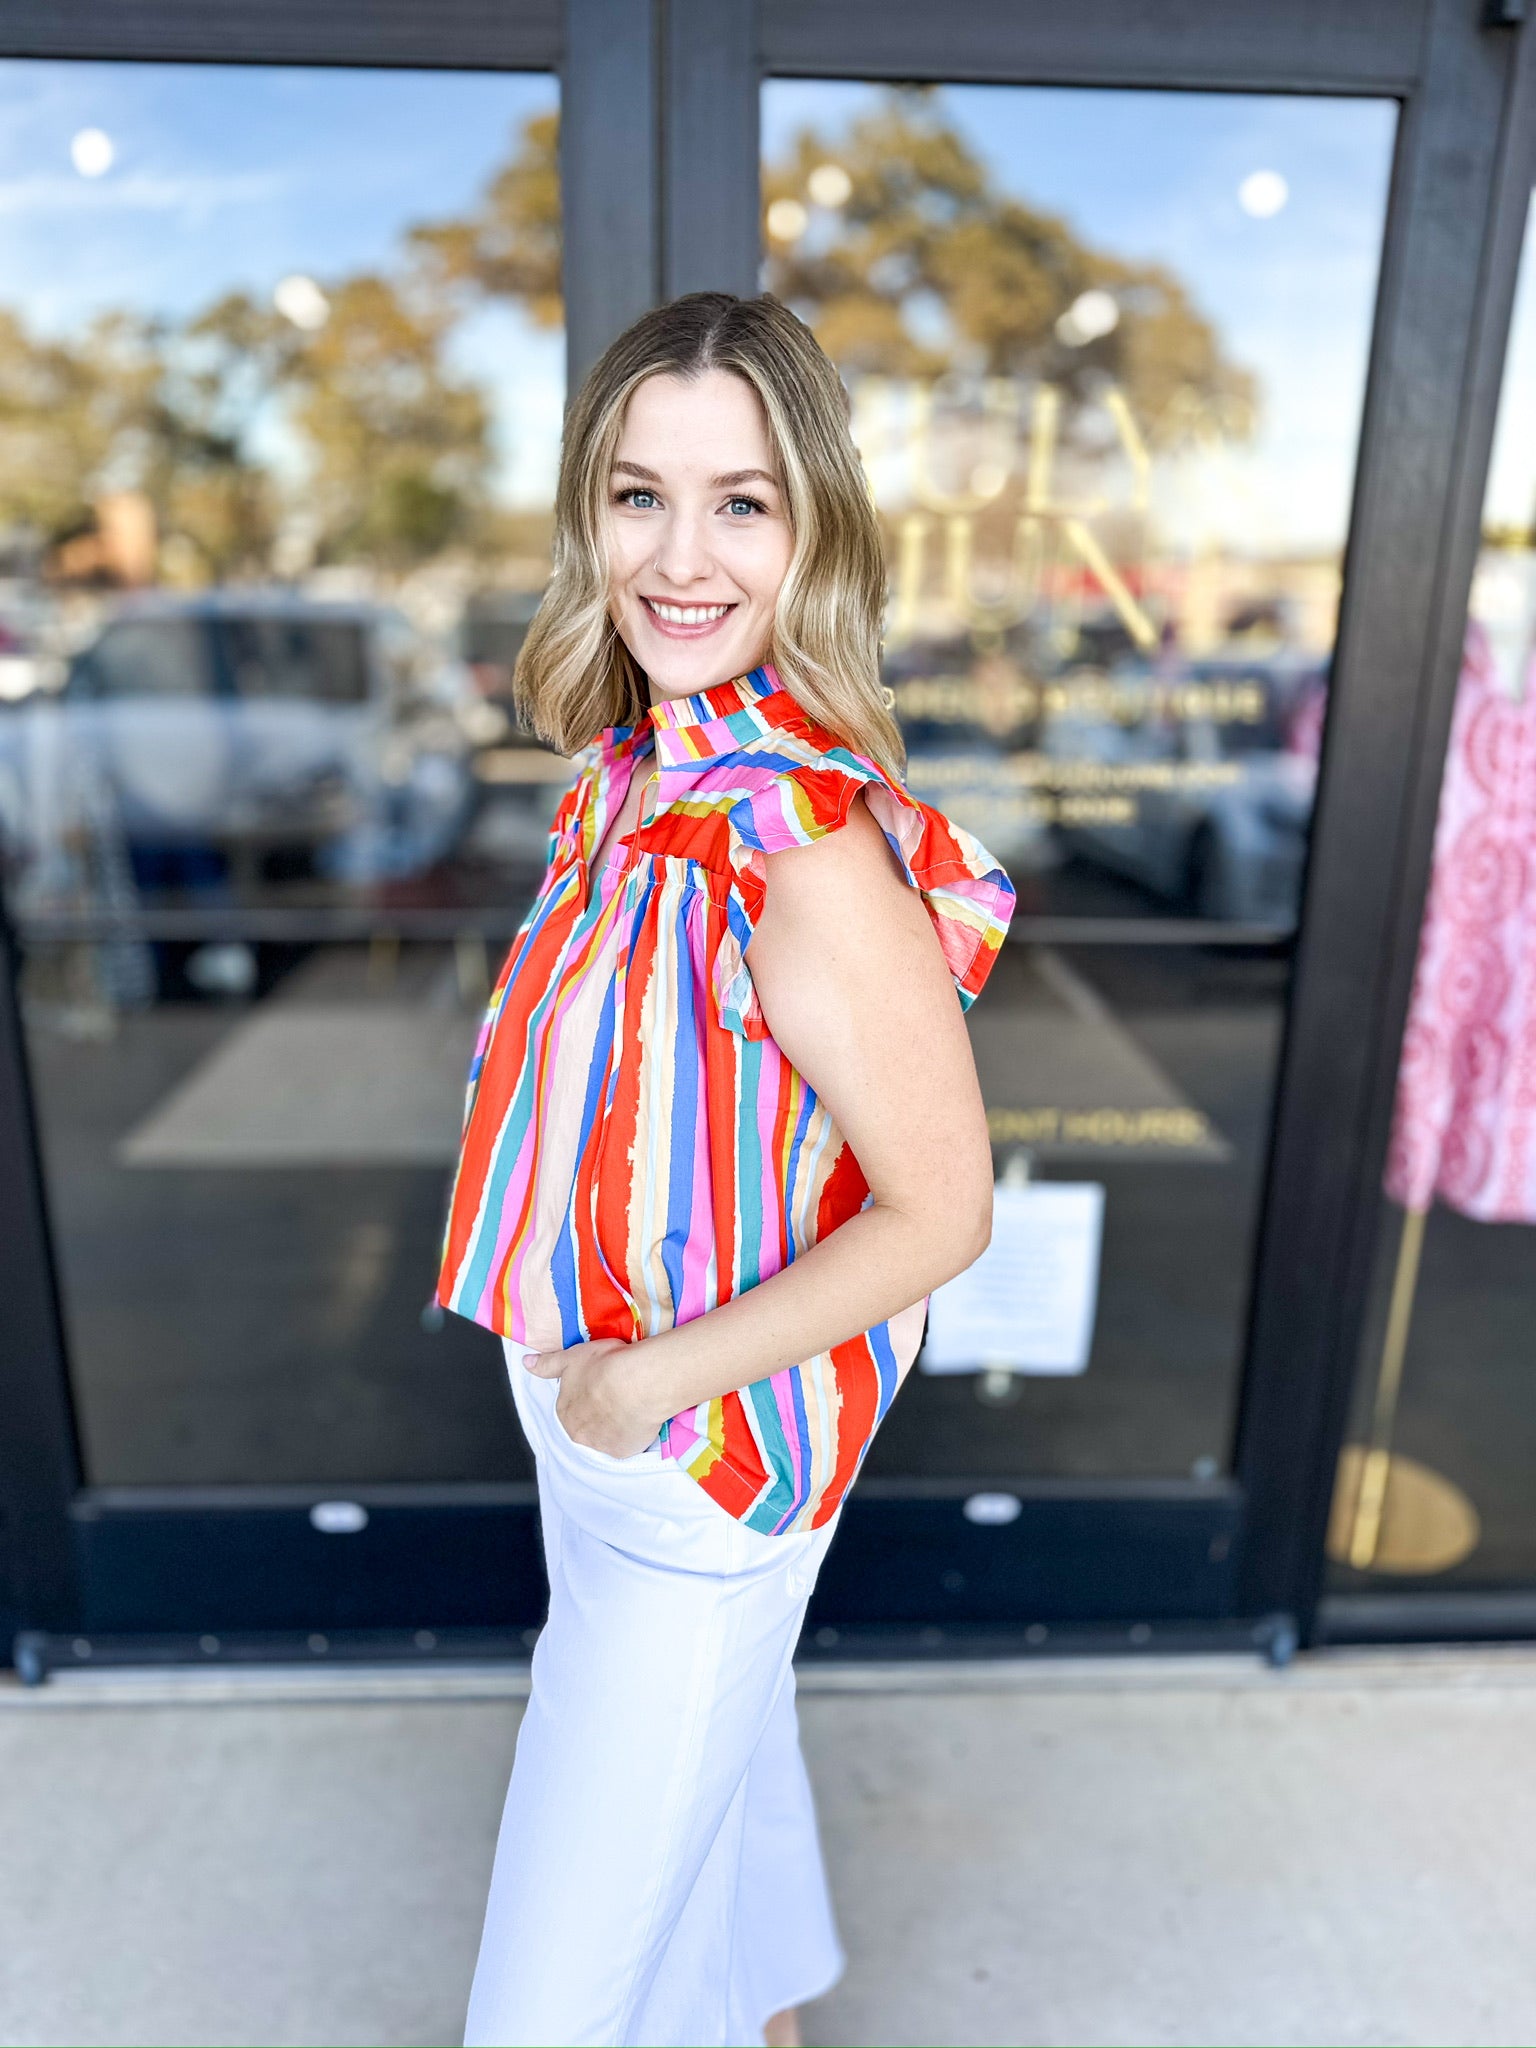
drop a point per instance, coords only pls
(1046, 525)
(1000, 402)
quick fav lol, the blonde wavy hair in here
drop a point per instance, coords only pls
(575, 675)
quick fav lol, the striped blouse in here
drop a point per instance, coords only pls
(636, 1148)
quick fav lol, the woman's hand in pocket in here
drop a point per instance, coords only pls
(602, 1401)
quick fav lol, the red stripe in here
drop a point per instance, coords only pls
(528, 969)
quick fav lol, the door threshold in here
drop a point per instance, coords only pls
(405, 1664)
(1433, 1668)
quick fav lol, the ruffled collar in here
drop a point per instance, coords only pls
(693, 728)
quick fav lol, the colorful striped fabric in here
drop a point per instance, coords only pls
(636, 1148)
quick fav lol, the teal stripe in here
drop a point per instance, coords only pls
(780, 1497)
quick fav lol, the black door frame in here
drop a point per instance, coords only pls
(676, 82)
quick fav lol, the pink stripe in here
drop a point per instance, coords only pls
(505, 1286)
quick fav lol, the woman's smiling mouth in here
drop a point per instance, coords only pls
(685, 621)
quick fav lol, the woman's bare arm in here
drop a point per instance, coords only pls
(856, 992)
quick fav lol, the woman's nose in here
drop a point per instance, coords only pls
(683, 556)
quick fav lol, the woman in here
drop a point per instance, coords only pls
(723, 1136)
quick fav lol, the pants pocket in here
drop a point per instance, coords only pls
(808, 1560)
(602, 1459)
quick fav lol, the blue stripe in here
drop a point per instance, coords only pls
(562, 1263)
(881, 1350)
(685, 1114)
(736, 917)
(803, 1439)
(792, 1164)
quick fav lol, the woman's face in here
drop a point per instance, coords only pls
(698, 534)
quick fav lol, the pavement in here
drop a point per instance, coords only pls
(1193, 1850)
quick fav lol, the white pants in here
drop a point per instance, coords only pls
(658, 1878)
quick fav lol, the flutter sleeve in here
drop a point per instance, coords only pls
(964, 888)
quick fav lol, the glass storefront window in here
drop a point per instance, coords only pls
(1107, 367)
(1434, 1486)
(1106, 353)
(282, 371)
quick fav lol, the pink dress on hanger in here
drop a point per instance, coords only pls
(1464, 1124)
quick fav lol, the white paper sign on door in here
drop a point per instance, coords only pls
(1027, 1304)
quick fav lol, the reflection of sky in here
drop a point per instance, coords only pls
(235, 176)
(232, 177)
(1504, 587)
(1511, 499)
(1153, 177)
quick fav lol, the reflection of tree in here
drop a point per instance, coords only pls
(921, 266)
(391, 451)
(394, 449)
(399, 447)
(133, 404)
(68, 412)
(508, 246)
(223, 372)
(924, 266)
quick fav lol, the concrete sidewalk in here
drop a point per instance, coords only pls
(1198, 1851)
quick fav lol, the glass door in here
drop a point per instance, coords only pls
(283, 355)
(1107, 354)
(1150, 349)
(1434, 1517)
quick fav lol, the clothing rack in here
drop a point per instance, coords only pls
(1376, 1467)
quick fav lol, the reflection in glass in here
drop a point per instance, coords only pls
(1107, 403)
(281, 382)
(275, 495)
(1105, 353)
(1435, 1483)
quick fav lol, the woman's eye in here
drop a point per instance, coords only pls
(756, 504)
(631, 492)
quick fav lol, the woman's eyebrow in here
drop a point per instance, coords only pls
(717, 484)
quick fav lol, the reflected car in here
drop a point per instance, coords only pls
(1222, 835)
(28, 660)
(244, 740)
(19, 665)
